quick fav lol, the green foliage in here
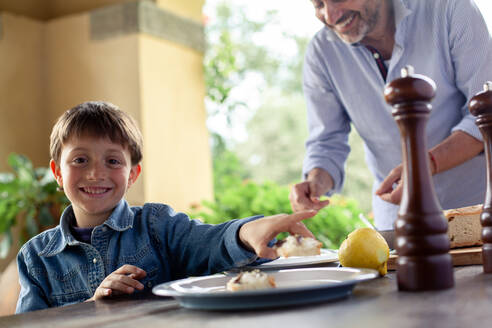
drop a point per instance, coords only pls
(239, 199)
(29, 199)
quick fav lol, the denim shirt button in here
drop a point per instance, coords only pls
(149, 284)
(104, 229)
(94, 260)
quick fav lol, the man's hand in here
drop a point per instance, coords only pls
(391, 188)
(122, 281)
(305, 195)
(256, 235)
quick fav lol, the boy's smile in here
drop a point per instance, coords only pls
(95, 174)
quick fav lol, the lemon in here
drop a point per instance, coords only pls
(365, 248)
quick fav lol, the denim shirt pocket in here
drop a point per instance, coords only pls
(144, 258)
(68, 286)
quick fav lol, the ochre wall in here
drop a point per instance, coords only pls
(23, 126)
(191, 9)
(173, 115)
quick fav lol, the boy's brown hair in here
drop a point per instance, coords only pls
(97, 119)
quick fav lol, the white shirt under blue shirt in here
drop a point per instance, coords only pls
(446, 40)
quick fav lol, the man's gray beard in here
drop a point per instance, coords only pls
(358, 39)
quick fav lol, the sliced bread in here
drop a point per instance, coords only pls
(464, 227)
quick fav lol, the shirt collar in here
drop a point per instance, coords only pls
(120, 219)
(401, 11)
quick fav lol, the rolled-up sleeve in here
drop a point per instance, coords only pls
(328, 124)
(471, 51)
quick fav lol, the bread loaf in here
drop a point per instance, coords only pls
(464, 227)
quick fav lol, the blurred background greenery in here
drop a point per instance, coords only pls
(256, 88)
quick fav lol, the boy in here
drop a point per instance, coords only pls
(104, 247)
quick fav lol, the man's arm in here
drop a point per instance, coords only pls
(456, 149)
(467, 30)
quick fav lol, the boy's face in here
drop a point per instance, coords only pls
(95, 173)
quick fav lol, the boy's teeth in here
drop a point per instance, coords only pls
(95, 190)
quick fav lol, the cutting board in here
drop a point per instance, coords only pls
(460, 256)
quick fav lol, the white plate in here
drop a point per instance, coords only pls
(294, 287)
(326, 256)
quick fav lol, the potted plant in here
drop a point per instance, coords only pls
(29, 200)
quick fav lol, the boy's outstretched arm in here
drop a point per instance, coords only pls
(256, 235)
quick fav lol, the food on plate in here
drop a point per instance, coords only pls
(365, 248)
(298, 246)
(251, 280)
(464, 226)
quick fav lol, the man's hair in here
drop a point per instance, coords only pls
(97, 119)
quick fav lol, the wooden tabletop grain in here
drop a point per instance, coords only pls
(376, 303)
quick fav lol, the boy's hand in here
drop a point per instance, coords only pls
(256, 235)
(122, 281)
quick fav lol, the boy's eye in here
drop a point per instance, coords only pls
(114, 161)
(79, 160)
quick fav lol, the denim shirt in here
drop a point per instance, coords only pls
(446, 40)
(55, 269)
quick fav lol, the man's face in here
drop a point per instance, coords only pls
(351, 20)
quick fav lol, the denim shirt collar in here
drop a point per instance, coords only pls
(401, 11)
(120, 219)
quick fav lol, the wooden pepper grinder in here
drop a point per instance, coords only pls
(481, 106)
(422, 242)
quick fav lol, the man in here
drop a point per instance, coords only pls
(364, 45)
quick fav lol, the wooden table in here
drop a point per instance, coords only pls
(375, 303)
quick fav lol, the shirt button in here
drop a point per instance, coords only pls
(94, 260)
(104, 229)
(149, 284)
(376, 55)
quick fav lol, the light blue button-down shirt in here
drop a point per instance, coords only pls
(446, 40)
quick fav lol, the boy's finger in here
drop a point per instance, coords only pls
(266, 253)
(102, 292)
(299, 216)
(128, 269)
(300, 229)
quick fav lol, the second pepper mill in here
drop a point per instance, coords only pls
(422, 243)
(481, 106)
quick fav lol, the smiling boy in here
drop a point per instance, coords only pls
(104, 247)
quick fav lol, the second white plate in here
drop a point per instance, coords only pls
(326, 256)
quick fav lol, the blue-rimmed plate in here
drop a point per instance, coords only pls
(294, 287)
